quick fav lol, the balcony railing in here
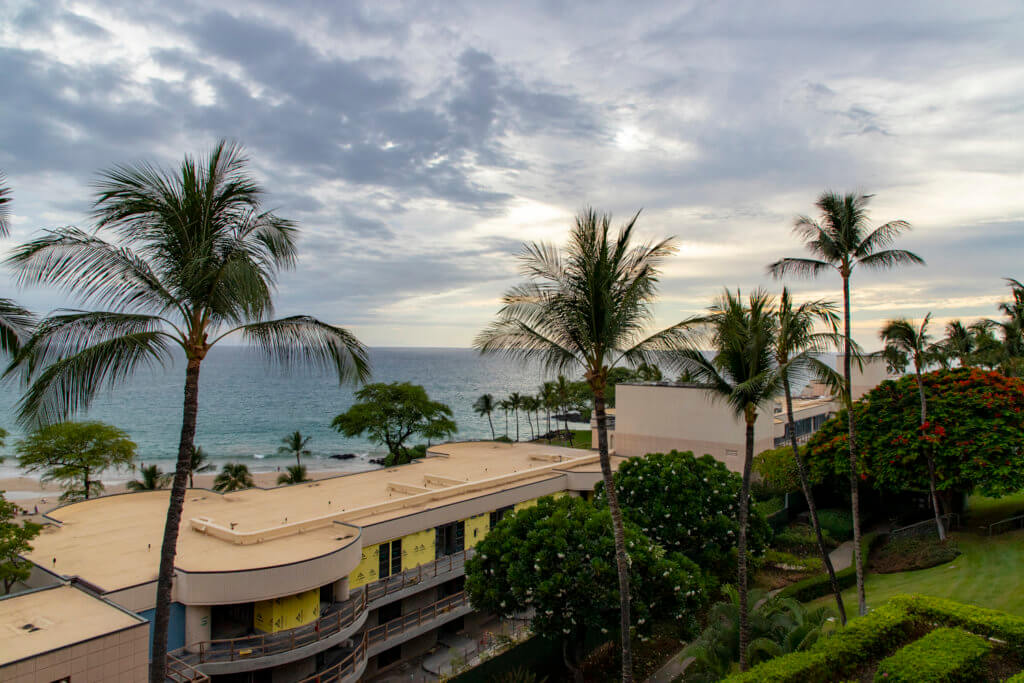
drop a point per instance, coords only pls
(344, 670)
(183, 672)
(415, 575)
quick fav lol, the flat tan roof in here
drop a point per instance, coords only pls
(113, 542)
(44, 620)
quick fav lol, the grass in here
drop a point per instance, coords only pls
(983, 511)
(581, 438)
(987, 573)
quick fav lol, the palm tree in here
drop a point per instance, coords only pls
(295, 474)
(586, 308)
(192, 258)
(485, 406)
(563, 394)
(506, 406)
(914, 342)
(842, 241)
(153, 479)
(515, 402)
(743, 373)
(1011, 350)
(295, 444)
(234, 476)
(15, 322)
(795, 343)
(198, 462)
(549, 398)
(529, 404)
(959, 343)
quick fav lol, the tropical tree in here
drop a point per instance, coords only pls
(796, 343)
(186, 259)
(75, 454)
(563, 394)
(295, 474)
(15, 542)
(515, 401)
(586, 309)
(841, 240)
(529, 405)
(15, 322)
(153, 479)
(198, 462)
(549, 399)
(505, 406)
(914, 341)
(744, 375)
(484, 406)
(295, 444)
(959, 344)
(233, 476)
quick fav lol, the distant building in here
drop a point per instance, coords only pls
(660, 417)
(334, 579)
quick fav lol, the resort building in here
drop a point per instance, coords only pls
(332, 580)
(660, 417)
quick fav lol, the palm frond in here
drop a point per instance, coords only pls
(306, 340)
(890, 258)
(5, 206)
(799, 267)
(16, 325)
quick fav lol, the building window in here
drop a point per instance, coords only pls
(390, 559)
(449, 539)
(499, 515)
(389, 657)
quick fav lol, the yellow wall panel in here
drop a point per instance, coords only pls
(281, 614)
(476, 528)
(525, 504)
(366, 571)
(417, 548)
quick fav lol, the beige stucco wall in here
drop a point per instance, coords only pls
(121, 656)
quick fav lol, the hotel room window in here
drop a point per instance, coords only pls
(390, 559)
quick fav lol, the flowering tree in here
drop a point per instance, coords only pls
(689, 505)
(558, 557)
(975, 429)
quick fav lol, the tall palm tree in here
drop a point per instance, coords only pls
(183, 258)
(549, 397)
(506, 406)
(15, 322)
(485, 406)
(153, 479)
(295, 474)
(796, 342)
(913, 341)
(234, 476)
(959, 343)
(587, 308)
(1011, 329)
(198, 462)
(529, 404)
(515, 402)
(842, 241)
(563, 394)
(744, 375)
(295, 444)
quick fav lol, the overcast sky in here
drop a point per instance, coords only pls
(419, 144)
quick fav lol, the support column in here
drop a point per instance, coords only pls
(198, 619)
(341, 593)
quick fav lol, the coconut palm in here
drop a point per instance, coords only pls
(549, 399)
(295, 474)
(233, 476)
(15, 322)
(529, 405)
(485, 406)
(506, 406)
(563, 395)
(796, 342)
(744, 375)
(153, 478)
(842, 241)
(913, 341)
(586, 308)
(198, 462)
(515, 402)
(184, 258)
(295, 444)
(959, 344)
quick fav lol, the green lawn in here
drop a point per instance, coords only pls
(982, 511)
(988, 573)
(581, 438)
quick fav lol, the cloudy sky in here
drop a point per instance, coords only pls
(419, 144)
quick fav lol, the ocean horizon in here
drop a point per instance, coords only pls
(247, 405)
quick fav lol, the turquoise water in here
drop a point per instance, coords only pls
(247, 406)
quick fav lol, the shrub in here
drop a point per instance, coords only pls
(800, 540)
(838, 524)
(984, 622)
(797, 562)
(945, 654)
(777, 470)
(817, 586)
(908, 554)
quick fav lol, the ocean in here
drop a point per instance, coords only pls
(246, 406)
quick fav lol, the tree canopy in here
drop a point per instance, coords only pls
(75, 454)
(390, 414)
(558, 557)
(15, 541)
(975, 429)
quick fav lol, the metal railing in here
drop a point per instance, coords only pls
(412, 577)
(1004, 525)
(950, 521)
(343, 670)
(183, 672)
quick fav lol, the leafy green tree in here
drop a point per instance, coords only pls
(295, 444)
(390, 414)
(484, 407)
(15, 541)
(295, 474)
(198, 462)
(688, 505)
(975, 428)
(744, 375)
(914, 342)
(776, 470)
(183, 258)
(75, 454)
(558, 558)
(153, 479)
(842, 241)
(586, 308)
(233, 476)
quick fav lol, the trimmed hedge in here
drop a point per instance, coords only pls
(985, 622)
(944, 655)
(836, 523)
(816, 586)
(1019, 678)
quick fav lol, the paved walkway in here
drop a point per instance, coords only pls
(842, 557)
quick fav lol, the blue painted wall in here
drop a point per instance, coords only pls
(175, 629)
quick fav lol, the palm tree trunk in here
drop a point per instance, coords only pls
(621, 561)
(812, 510)
(491, 423)
(929, 456)
(506, 423)
(86, 484)
(529, 422)
(741, 546)
(858, 560)
(515, 413)
(161, 619)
